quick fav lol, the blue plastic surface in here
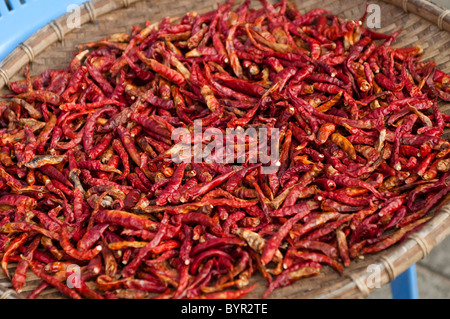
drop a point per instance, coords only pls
(19, 19)
(405, 285)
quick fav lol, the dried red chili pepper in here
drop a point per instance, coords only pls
(131, 267)
(13, 245)
(292, 274)
(173, 184)
(319, 258)
(274, 242)
(395, 237)
(20, 274)
(53, 281)
(201, 189)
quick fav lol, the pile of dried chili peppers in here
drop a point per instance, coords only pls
(90, 194)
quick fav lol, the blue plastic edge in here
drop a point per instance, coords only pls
(25, 19)
(405, 285)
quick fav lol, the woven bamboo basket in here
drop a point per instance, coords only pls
(423, 23)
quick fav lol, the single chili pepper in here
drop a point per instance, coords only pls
(343, 247)
(91, 121)
(319, 258)
(127, 141)
(342, 198)
(430, 202)
(49, 245)
(201, 189)
(295, 209)
(41, 160)
(352, 182)
(20, 274)
(94, 266)
(53, 172)
(240, 85)
(71, 251)
(323, 247)
(24, 227)
(95, 165)
(330, 103)
(274, 242)
(206, 254)
(293, 170)
(314, 223)
(185, 250)
(229, 294)
(226, 241)
(326, 184)
(292, 274)
(198, 218)
(397, 217)
(47, 221)
(119, 245)
(422, 167)
(16, 200)
(91, 236)
(13, 245)
(123, 154)
(144, 251)
(44, 135)
(344, 144)
(152, 124)
(125, 219)
(236, 178)
(173, 184)
(159, 68)
(145, 285)
(395, 237)
(306, 179)
(53, 281)
(101, 147)
(324, 132)
(363, 124)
